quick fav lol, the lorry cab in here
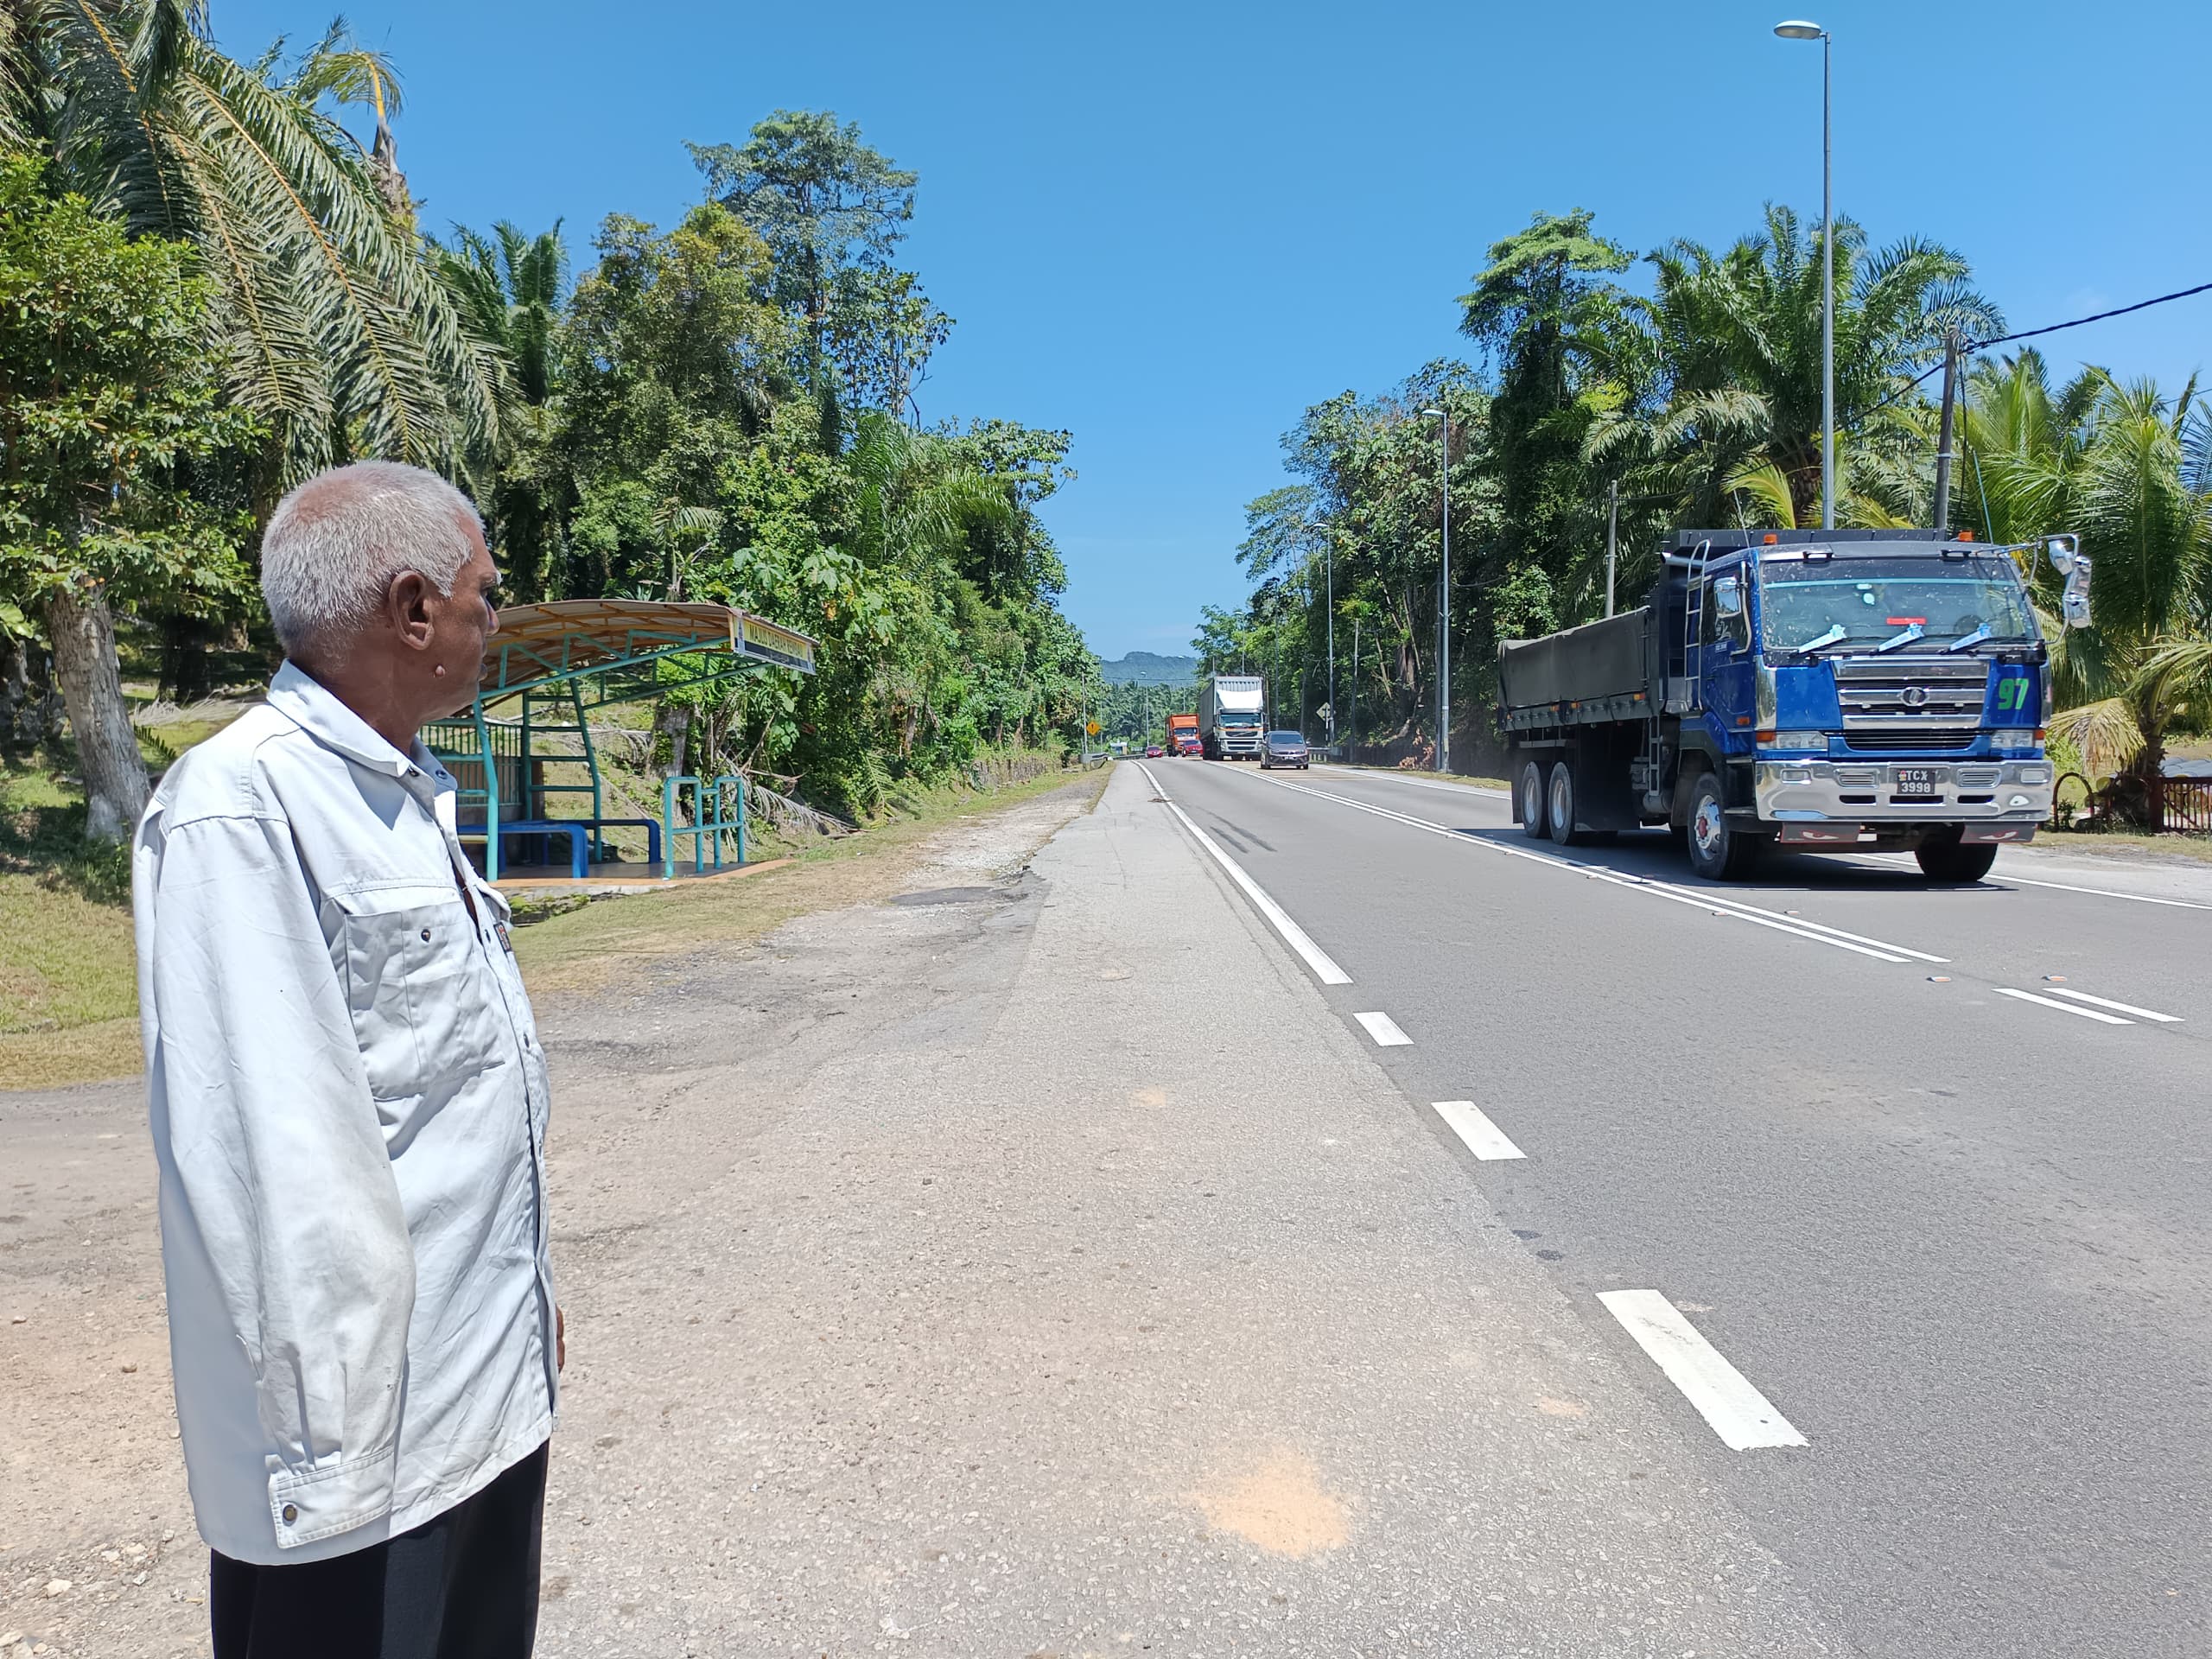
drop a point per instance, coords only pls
(1878, 689)
(1876, 686)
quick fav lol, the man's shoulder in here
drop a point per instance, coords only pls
(235, 773)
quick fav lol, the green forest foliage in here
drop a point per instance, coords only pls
(722, 409)
(1689, 395)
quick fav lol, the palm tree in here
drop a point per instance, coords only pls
(1726, 357)
(327, 322)
(2130, 469)
(511, 288)
(331, 327)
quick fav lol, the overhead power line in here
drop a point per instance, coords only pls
(2140, 305)
(1967, 348)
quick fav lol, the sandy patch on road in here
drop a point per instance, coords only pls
(1279, 1504)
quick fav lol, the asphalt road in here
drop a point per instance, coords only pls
(1955, 1237)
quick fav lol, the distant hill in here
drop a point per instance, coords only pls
(1146, 668)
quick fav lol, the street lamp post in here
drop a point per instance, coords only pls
(1800, 30)
(1444, 598)
(1329, 569)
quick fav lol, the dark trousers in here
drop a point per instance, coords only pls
(462, 1586)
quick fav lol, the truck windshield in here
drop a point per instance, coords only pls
(1816, 604)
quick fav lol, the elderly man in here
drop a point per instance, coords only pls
(348, 1107)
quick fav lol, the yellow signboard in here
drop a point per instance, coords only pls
(765, 640)
(1092, 728)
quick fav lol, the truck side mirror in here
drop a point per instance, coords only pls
(1728, 596)
(2063, 550)
(2074, 601)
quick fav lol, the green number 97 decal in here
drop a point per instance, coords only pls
(2012, 694)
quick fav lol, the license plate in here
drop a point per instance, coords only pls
(1914, 780)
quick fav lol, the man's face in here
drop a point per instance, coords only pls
(463, 622)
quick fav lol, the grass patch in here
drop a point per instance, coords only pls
(583, 950)
(68, 981)
(2120, 842)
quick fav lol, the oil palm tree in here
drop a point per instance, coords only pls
(511, 288)
(1732, 416)
(326, 321)
(329, 324)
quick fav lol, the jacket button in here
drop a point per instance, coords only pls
(291, 1513)
(426, 935)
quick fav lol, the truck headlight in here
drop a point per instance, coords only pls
(1816, 740)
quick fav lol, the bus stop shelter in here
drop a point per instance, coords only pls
(524, 756)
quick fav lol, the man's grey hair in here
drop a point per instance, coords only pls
(335, 543)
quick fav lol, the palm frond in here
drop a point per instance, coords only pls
(2104, 732)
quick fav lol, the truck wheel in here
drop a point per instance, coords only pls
(1717, 852)
(1950, 860)
(1529, 800)
(1559, 806)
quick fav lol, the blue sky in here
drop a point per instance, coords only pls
(1171, 227)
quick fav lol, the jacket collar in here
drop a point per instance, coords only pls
(316, 710)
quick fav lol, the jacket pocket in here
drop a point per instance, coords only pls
(414, 982)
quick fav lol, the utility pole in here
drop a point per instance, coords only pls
(1329, 565)
(1444, 599)
(1943, 516)
(1612, 531)
(1351, 721)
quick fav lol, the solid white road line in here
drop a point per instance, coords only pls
(1483, 1138)
(2005, 877)
(2118, 1008)
(1422, 783)
(1324, 968)
(2063, 1007)
(1742, 1416)
(1384, 1030)
(2100, 892)
(1734, 909)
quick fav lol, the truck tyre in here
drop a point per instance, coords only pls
(1559, 806)
(1529, 801)
(1948, 859)
(1717, 851)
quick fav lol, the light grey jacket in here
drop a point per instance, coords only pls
(348, 1105)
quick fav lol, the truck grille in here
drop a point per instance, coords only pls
(1926, 738)
(1914, 697)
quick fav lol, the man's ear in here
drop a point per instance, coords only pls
(406, 604)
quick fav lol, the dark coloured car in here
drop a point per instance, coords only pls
(1284, 749)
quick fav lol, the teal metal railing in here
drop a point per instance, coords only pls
(490, 763)
(709, 801)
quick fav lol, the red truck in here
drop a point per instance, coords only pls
(1183, 735)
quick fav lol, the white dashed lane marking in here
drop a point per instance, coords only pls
(1383, 1029)
(1483, 1138)
(1744, 1418)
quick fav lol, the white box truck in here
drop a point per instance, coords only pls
(1232, 708)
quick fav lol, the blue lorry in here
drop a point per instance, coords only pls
(1821, 690)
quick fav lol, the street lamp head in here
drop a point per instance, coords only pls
(1798, 30)
(1432, 411)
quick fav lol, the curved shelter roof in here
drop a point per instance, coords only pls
(615, 644)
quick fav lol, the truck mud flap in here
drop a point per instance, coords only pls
(1820, 835)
